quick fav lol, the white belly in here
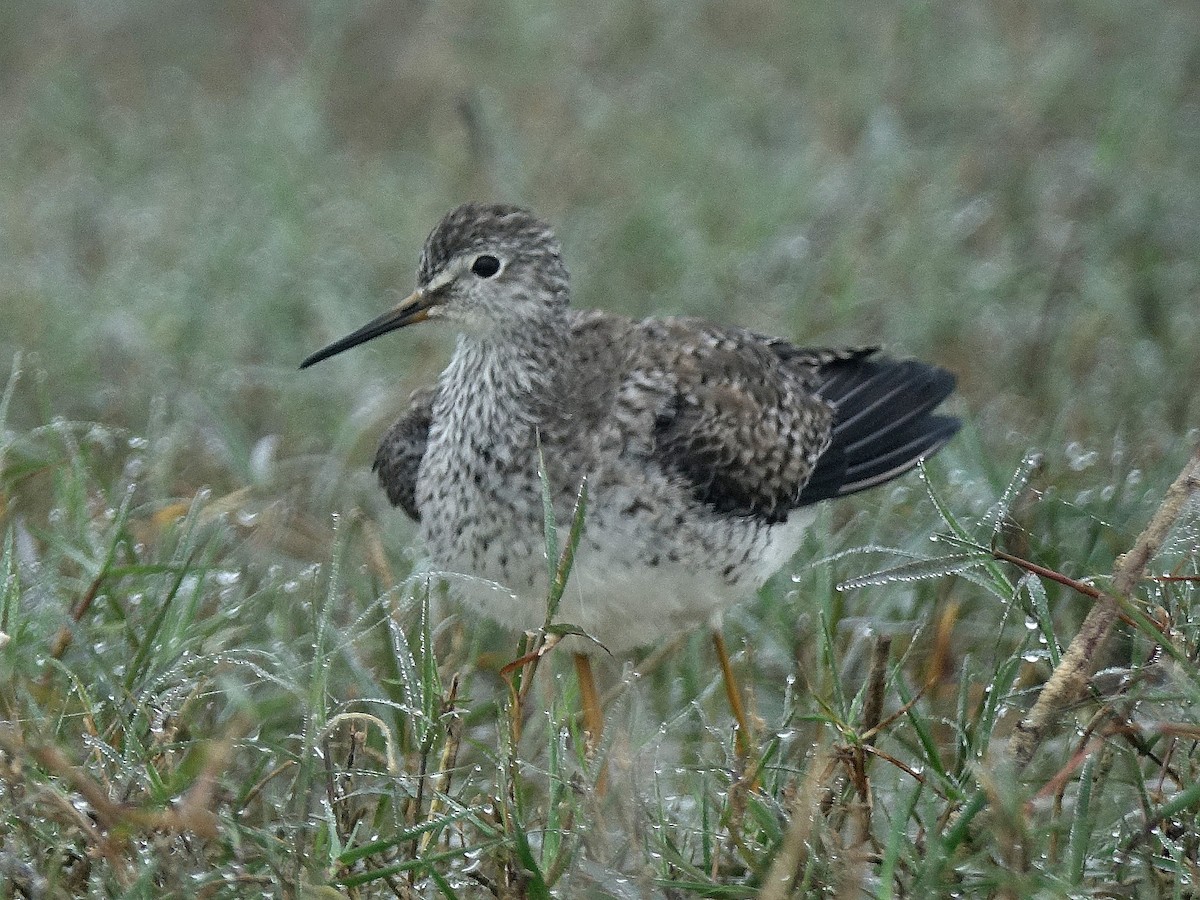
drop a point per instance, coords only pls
(613, 593)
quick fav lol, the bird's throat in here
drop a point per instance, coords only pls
(499, 391)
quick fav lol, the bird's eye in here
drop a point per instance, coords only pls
(485, 266)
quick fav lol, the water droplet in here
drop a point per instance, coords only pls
(1078, 458)
(100, 436)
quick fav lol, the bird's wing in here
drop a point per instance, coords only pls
(758, 427)
(743, 429)
(400, 452)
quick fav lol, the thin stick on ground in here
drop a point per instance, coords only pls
(734, 695)
(1069, 680)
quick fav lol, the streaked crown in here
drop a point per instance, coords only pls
(526, 243)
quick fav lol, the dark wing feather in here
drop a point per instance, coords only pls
(401, 450)
(883, 423)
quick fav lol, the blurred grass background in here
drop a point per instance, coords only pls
(196, 195)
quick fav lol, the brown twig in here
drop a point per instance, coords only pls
(796, 846)
(871, 713)
(1069, 680)
(1081, 587)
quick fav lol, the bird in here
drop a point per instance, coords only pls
(705, 447)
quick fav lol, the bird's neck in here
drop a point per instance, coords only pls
(504, 386)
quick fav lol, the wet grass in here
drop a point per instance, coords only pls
(220, 676)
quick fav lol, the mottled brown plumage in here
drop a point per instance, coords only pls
(702, 444)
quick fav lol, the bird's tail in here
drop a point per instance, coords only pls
(884, 423)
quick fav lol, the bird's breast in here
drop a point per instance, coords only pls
(479, 494)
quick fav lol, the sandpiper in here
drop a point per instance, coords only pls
(704, 446)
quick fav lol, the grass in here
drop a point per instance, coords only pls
(221, 676)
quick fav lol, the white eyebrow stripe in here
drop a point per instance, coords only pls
(443, 278)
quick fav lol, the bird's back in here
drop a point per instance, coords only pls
(749, 425)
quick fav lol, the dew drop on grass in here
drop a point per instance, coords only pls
(100, 436)
(246, 518)
(227, 577)
(1031, 624)
(138, 443)
(1078, 458)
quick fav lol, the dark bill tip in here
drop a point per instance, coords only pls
(409, 311)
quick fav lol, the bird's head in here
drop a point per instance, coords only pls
(487, 269)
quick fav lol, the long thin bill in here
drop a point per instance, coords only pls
(409, 311)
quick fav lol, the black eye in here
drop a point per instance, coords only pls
(485, 266)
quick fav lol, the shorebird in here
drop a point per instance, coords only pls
(704, 446)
